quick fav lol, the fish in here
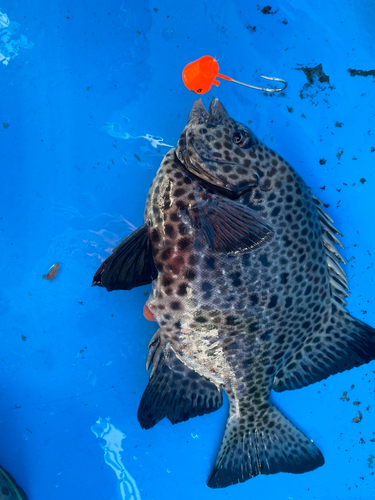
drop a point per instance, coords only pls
(248, 292)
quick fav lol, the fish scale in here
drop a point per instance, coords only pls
(248, 293)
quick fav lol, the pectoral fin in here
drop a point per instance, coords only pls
(131, 263)
(228, 226)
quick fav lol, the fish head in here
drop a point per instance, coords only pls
(218, 149)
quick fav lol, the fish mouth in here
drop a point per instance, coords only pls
(194, 154)
(215, 115)
(190, 145)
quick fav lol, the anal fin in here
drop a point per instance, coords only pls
(268, 445)
(176, 392)
(131, 263)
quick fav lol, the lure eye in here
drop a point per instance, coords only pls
(243, 139)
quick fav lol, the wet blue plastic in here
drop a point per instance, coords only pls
(89, 89)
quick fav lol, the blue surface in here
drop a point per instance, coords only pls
(88, 86)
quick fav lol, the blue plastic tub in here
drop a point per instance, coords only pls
(91, 100)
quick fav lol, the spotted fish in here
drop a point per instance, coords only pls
(248, 293)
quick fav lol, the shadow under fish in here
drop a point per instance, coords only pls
(248, 293)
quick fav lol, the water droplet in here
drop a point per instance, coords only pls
(167, 33)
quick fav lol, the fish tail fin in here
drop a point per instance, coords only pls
(263, 443)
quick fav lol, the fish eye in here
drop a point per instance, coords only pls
(242, 139)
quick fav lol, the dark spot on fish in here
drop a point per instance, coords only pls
(271, 173)
(288, 302)
(179, 192)
(273, 302)
(246, 260)
(182, 289)
(239, 153)
(192, 259)
(174, 217)
(167, 281)
(254, 299)
(264, 261)
(210, 263)
(182, 228)
(166, 253)
(206, 286)
(235, 277)
(183, 243)
(275, 212)
(231, 320)
(266, 186)
(284, 278)
(190, 274)
(181, 205)
(201, 319)
(169, 231)
(175, 306)
(155, 236)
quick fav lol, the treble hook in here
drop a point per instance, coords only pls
(259, 88)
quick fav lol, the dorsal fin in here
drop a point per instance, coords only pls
(343, 343)
(337, 276)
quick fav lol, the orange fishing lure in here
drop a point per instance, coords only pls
(199, 76)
